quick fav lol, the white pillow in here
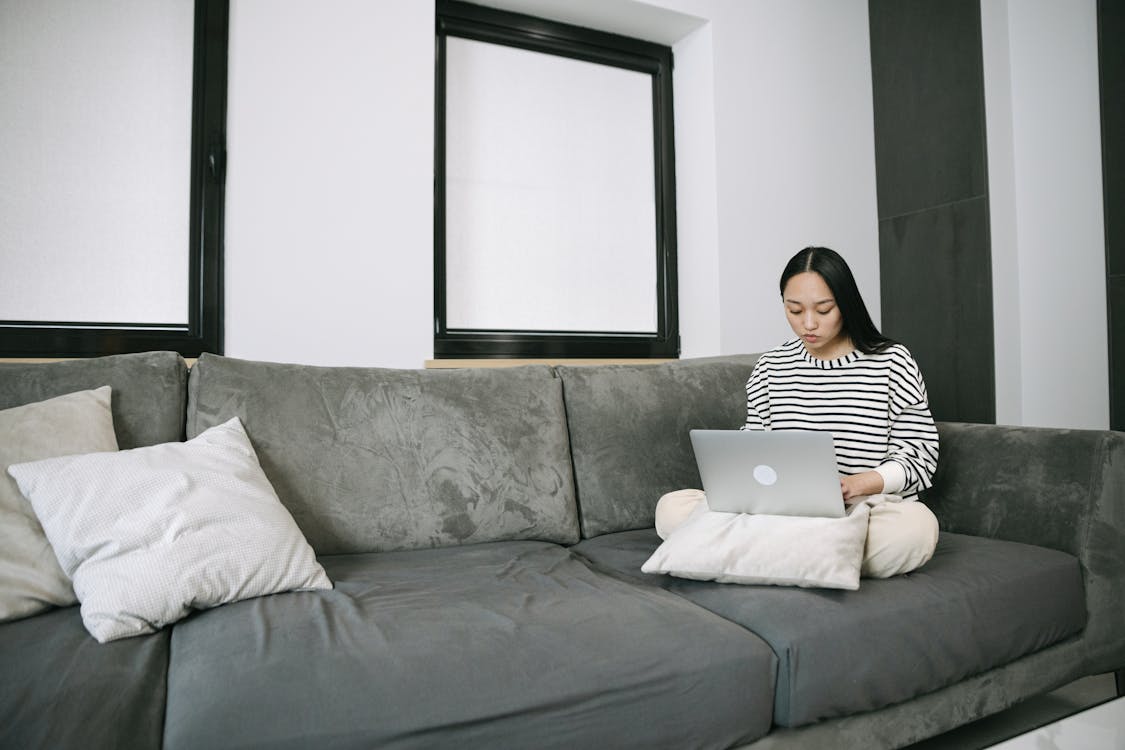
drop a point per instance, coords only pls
(30, 577)
(764, 549)
(150, 533)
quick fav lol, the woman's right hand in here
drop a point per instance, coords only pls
(857, 486)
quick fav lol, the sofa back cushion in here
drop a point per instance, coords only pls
(372, 460)
(149, 391)
(629, 429)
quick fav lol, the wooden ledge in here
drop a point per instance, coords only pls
(453, 364)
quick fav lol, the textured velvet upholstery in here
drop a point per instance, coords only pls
(49, 665)
(149, 391)
(523, 643)
(629, 429)
(977, 604)
(503, 645)
(59, 688)
(940, 711)
(371, 460)
(1063, 489)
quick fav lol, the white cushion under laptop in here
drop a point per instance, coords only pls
(784, 472)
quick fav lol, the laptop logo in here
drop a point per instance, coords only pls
(765, 475)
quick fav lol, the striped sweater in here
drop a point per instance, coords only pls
(874, 405)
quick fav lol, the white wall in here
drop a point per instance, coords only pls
(796, 154)
(778, 103)
(1044, 145)
(1007, 331)
(697, 198)
(329, 196)
(329, 223)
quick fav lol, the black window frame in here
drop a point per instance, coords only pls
(204, 328)
(474, 22)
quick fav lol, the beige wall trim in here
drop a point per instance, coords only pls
(430, 364)
(44, 360)
(447, 364)
(34, 360)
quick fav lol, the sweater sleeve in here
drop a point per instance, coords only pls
(757, 398)
(913, 435)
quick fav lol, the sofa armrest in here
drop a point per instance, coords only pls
(1063, 489)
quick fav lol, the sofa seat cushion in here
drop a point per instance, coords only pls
(977, 604)
(59, 688)
(510, 644)
(375, 460)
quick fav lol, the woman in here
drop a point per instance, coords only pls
(841, 375)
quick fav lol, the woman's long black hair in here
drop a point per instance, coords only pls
(857, 324)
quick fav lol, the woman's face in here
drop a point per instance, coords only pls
(814, 316)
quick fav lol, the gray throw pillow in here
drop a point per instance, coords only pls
(30, 577)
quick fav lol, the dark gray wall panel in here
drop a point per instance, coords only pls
(935, 251)
(1111, 66)
(929, 106)
(936, 287)
(1117, 351)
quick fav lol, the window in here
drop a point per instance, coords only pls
(111, 183)
(555, 229)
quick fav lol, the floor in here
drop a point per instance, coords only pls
(1023, 717)
(1102, 726)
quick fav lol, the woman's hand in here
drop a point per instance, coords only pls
(856, 486)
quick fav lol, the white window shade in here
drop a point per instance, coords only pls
(95, 139)
(550, 193)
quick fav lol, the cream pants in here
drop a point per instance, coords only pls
(901, 536)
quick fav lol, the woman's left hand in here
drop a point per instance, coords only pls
(856, 486)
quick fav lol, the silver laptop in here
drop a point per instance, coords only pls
(784, 473)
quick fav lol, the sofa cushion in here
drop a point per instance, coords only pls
(510, 644)
(62, 689)
(149, 391)
(371, 460)
(977, 604)
(629, 429)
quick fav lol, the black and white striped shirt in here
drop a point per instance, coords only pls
(874, 405)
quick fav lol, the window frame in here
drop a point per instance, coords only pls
(204, 328)
(477, 23)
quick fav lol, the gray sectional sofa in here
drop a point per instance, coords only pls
(484, 531)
